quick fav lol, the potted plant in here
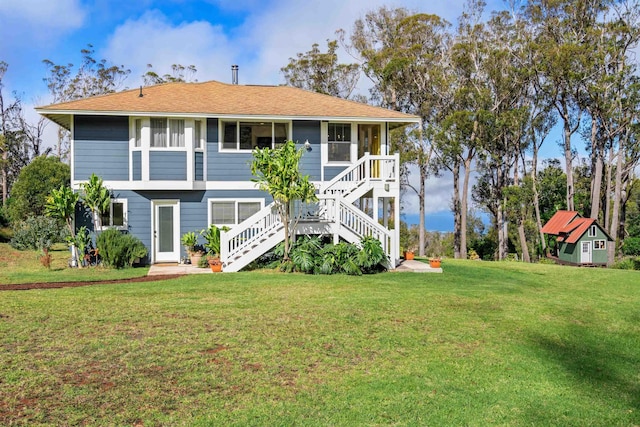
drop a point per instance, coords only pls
(409, 254)
(189, 240)
(212, 236)
(434, 262)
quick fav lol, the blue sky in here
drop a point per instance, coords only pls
(260, 36)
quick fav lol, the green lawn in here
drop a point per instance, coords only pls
(25, 267)
(482, 344)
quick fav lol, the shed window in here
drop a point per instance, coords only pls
(593, 231)
(600, 244)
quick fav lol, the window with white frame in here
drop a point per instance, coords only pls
(600, 244)
(116, 216)
(339, 142)
(167, 132)
(197, 134)
(232, 212)
(245, 136)
(592, 231)
(138, 133)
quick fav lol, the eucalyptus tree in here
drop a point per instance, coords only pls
(91, 78)
(321, 72)
(406, 57)
(179, 73)
(563, 31)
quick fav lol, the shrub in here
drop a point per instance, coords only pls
(631, 246)
(119, 250)
(34, 184)
(628, 263)
(37, 233)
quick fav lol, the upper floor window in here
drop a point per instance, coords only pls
(339, 142)
(197, 134)
(592, 231)
(238, 135)
(138, 131)
(167, 132)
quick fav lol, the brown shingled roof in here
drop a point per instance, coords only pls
(213, 98)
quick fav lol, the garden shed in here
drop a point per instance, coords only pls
(578, 240)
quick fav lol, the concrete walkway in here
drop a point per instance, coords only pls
(416, 267)
(174, 268)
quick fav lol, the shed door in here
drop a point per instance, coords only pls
(585, 253)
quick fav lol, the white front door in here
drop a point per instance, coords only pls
(166, 231)
(585, 253)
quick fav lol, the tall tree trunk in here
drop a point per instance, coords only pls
(568, 160)
(617, 196)
(607, 207)
(457, 212)
(536, 198)
(596, 175)
(421, 198)
(464, 207)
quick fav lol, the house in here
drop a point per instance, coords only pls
(579, 241)
(176, 157)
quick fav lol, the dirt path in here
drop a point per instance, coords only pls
(56, 285)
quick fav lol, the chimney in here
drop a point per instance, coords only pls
(234, 74)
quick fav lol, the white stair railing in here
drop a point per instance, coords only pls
(369, 168)
(362, 225)
(248, 233)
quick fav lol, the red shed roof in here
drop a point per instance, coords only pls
(574, 230)
(559, 221)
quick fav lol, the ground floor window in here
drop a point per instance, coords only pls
(599, 244)
(116, 216)
(232, 212)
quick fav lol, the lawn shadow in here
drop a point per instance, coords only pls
(599, 366)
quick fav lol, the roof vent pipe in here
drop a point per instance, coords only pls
(234, 74)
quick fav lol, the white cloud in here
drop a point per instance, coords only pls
(42, 16)
(152, 39)
(438, 193)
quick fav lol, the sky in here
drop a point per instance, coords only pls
(258, 35)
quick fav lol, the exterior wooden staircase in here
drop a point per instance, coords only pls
(334, 213)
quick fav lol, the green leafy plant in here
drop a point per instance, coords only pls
(631, 246)
(119, 250)
(61, 205)
(189, 240)
(37, 233)
(97, 198)
(212, 236)
(277, 172)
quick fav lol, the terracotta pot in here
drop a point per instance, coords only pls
(216, 265)
(434, 263)
(408, 255)
(195, 259)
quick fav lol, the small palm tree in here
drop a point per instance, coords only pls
(61, 205)
(97, 198)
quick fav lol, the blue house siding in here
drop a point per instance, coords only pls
(168, 165)
(137, 165)
(330, 172)
(193, 208)
(227, 166)
(101, 146)
(109, 160)
(308, 130)
(199, 166)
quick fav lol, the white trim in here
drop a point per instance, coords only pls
(589, 253)
(603, 245)
(72, 143)
(236, 201)
(249, 117)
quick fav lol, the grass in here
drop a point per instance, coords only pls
(25, 267)
(481, 344)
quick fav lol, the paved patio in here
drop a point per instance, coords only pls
(175, 268)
